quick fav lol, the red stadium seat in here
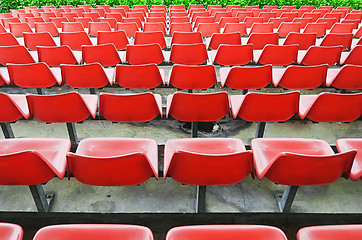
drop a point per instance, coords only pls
(228, 55)
(300, 77)
(47, 15)
(295, 162)
(19, 28)
(246, 77)
(154, 27)
(224, 38)
(86, 76)
(129, 28)
(304, 40)
(108, 157)
(277, 21)
(13, 108)
(8, 39)
(227, 232)
(319, 28)
(348, 77)
(139, 107)
(342, 28)
(54, 56)
(180, 27)
(289, 15)
(261, 28)
(72, 27)
(116, 16)
(142, 38)
(193, 77)
(75, 40)
(353, 57)
(9, 231)
(110, 232)
(208, 19)
(32, 40)
(260, 40)
(267, 15)
(316, 55)
(15, 54)
(249, 21)
(58, 21)
(186, 38)
(140, 76)
(32, 20)
(118, 38)
(277, 55)
(188, 54)
(303, 22)
(207, 29)
(225, 20)
(94, 27)
(235, 27)
(93, 15)
(105, 54)
(100, 11)
(242, 15)
(348, 144)
(144, 54)
(332, 232)
(287, 27)
(329, 21)
(331, 107)
(335, 39)
(47, 27)
(133, 20)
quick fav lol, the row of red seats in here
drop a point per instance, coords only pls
(194, 161)
(10, 231)
(93, 75)
(204, 25)
(186, 54)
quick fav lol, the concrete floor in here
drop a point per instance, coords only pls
(343, 196)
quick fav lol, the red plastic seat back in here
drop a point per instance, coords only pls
(332, 232)
(193, 77)
(15, 54)
(95, 231)
(235, 27)
(224, 38)
(155, 27)
(188, 54)
(36, 75)
(138, 76)
(8, 39)
(10, 111)
(129, 28)
(19, 28)
(319, 28)
(249, 77)
(141, 107)
(32, 40)
(287, 27)
(354, 56)
(279, 55)
(190, 107)
(144, 54)
(348, 78)
(118, 38)
(259, 40)
(47, 27)
(84, 76)
(75, 40)
(304, 40)
(186, 38)
(216, 161)
(263, 107)
(149, 38)
(105, 54)
(333, 107)
(104, 161)
(317, 55)
(66, 107)
(11, 231)
(229, 232)
(234, 54)
(54, 56)
(207, 29)
(94, 27)
(335, 39)
(180, 27)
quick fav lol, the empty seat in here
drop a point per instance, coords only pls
(75, 40)
(208, 19)
(342, 28)
(47, 27)
(180, 27)
(103, 27)
(348, 144)
(186, 38)
(118, 38)
(19, 28)
(259, 40)
(94, 27)
(249, 21)
(99, 161)
(235, 27)
(149, 38)
(192, 107)
(129, 28)
(32, 75)
(287, 27)
(331, 107)
(111, 232)
(232, 54)
(246, 77)
(352, 57)
(303, 21)
(7, 21)
(300, 77)
(348, 77)
(188, 54)
(58, 21)
(105, 54)
(32, 40)
(139, 107)
(207, 29)
(193, 77)
(139, 76)
(319, 28)
(261, 28)
(316, 55)
(72, 27)
(10, 231)
(224, 38)
(93, 15)
(277, 55)
(116, 16)
(155, 27)
(144, 54)
(225, 20)
(15, 54)
(329, 21)
(13, 108)
(295, 162)
(304, 40)
(331, 232)
(133, 20)
(86, 76)
(277, 21)
(54, 56)
(8, 39)
(47, 15)
(267, 15)
(335, 39)
(227, 232)
(207, 161)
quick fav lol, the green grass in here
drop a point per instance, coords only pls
(6, 5)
